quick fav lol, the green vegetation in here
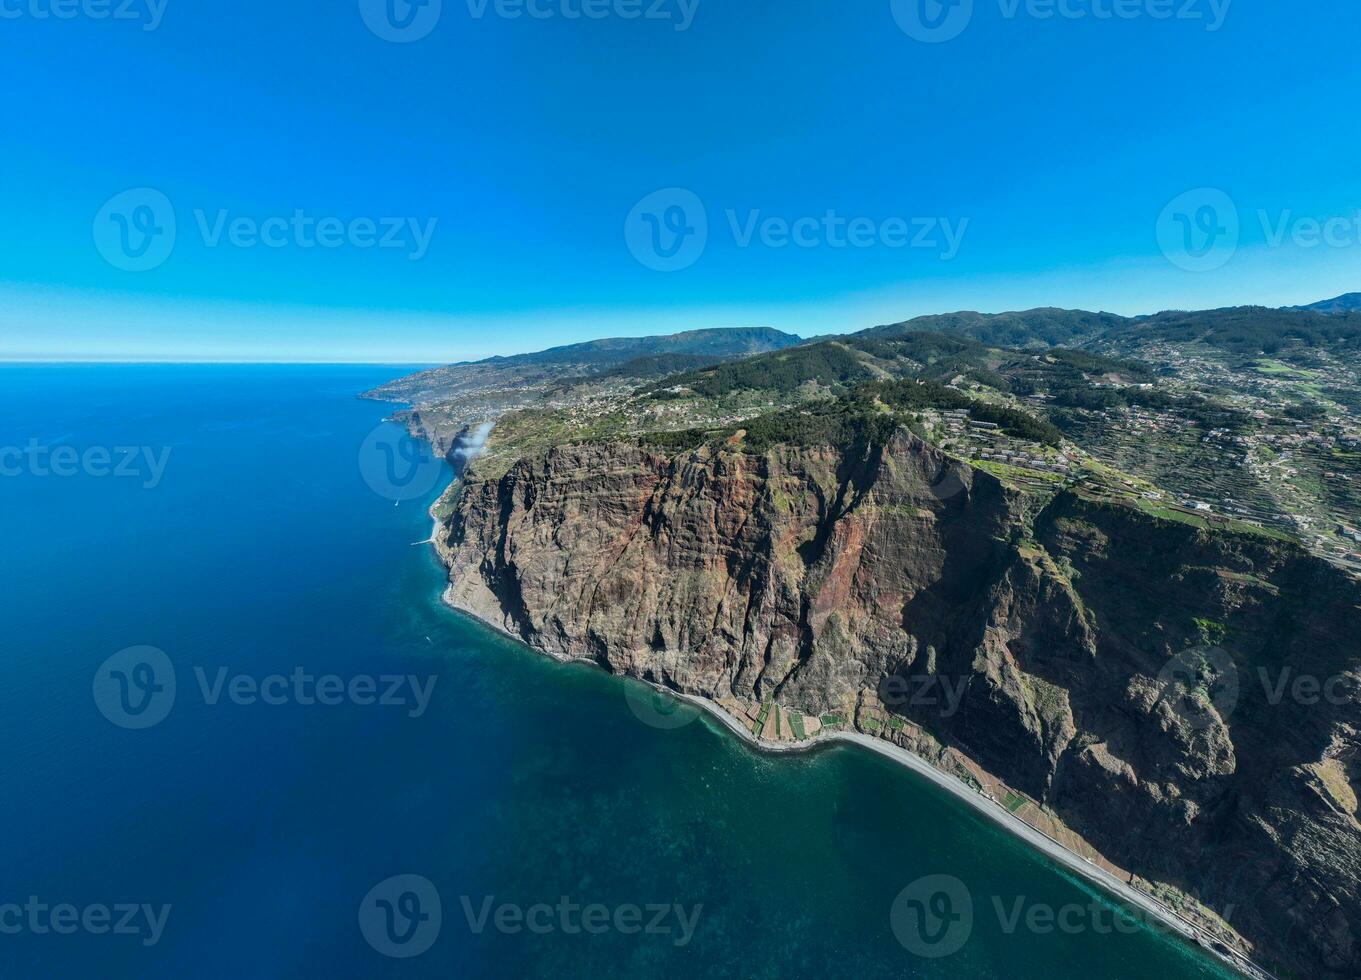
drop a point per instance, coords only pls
(1169, 513)
(1348, 398)
(1305, 411)
(761, 720)
(495, 376)
(658, 364)
(1248, 330)
(1270, 366)
(447, 503)
(1031, 328)
(917, 395)
(936, 356)
(676, 442)
(839, 423)
(1255, 330)
(828, 364)
(1243, 527)
(1089, 363)
(1016, 475)
(1166, 513)
(861, 420)
(518, 434)
(1211, 633)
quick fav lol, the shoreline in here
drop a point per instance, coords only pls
(990, 809)
(995, 813)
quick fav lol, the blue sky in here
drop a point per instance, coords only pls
(1027, 160)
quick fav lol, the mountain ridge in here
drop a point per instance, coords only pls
(582, 359)
(1346, 303)
(1238, 328)
(1243, 330)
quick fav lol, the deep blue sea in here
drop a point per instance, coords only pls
(205, 769)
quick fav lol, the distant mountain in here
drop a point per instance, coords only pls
(1347, 303)
(1041, 328)
(1244, 330)
(1250, 330)
(724, 342)
(594, 357)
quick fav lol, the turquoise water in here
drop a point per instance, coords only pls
(273, 832)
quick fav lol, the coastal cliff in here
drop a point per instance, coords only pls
(1140, 686)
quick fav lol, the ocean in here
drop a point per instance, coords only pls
(242, 738)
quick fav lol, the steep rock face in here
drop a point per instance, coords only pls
(1052, 640)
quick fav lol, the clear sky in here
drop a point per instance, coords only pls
(512, 163)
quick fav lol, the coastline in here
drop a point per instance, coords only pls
(990, 809)
(998, 815)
